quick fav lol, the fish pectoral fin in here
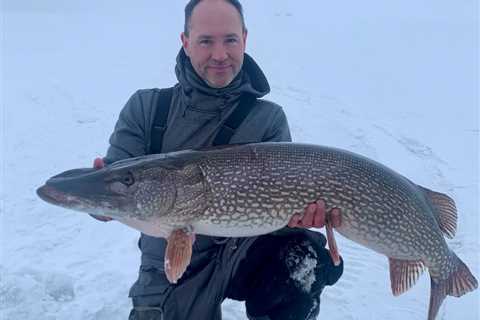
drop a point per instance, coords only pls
(178, 253)
(444, 210)
(404, 274)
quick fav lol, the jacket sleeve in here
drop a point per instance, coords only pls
(129, 136)
(279, 131)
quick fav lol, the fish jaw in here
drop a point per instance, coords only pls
(99, 205)
(53, 196)
(92, 191)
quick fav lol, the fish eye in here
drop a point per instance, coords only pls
(128, 179)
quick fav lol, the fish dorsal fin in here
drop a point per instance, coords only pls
(178, 254)
(444, 210)
(404, 274)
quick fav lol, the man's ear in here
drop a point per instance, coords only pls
(185, 43)
(244, 36)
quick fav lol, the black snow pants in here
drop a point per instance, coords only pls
(280, 277)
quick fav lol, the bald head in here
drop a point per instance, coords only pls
(192, 4)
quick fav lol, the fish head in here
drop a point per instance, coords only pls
(131, 188)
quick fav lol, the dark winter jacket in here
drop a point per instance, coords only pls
(197, 112)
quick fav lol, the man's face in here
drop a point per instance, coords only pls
(216, 42)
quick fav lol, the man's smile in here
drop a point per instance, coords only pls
(220, 68)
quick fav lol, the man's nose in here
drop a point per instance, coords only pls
(219, 53)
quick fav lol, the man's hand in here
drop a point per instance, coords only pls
(315, 216)
(99, 164)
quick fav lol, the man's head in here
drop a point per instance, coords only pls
(214, 39)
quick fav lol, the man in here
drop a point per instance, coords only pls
(279, 276)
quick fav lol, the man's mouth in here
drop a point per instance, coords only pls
(220, 68)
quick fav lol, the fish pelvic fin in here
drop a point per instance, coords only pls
(444, 210)
(178, 254)
(404, 274)
(459, 282)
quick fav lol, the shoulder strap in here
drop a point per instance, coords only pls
(223, 137)
(160, 121)
(227, 130)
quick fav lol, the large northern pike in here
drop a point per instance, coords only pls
(253, 189)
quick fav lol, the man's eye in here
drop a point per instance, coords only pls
(232, 41)
(205, 42)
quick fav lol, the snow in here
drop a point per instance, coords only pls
(396, 81)
(301, 265)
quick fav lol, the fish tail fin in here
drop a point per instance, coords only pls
(459, 282)
(437, 295)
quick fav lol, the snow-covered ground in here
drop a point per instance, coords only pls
(396, 81)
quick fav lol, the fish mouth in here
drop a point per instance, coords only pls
(71, 185)
(85, 190)
(68, 188)
(53, 196)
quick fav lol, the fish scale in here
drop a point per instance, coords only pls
(255, 167)
(253, 189)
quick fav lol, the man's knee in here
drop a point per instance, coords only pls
(306, 263)
(309, 261)
(145, 314)
(291, 284)
(302, 307)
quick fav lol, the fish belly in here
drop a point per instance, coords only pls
(405, 239)
(228, 230)
(151, 228)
